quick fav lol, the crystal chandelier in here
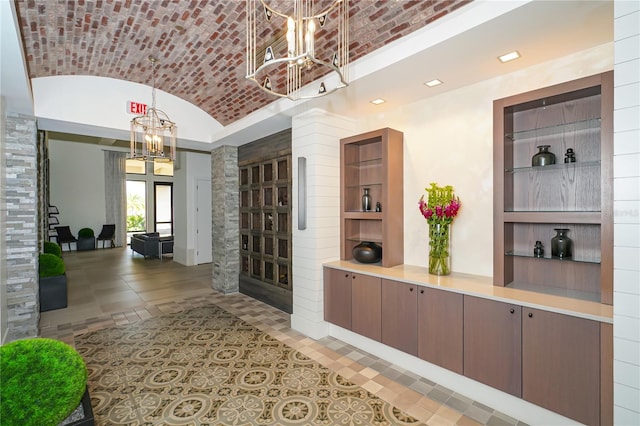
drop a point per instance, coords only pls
(308, 56)
(153, 131)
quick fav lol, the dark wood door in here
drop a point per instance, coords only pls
(365, 305)
(399, 316)
(337, 297)
(492, 343)
(440, 333)
(561, 364)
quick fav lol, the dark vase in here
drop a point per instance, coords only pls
(366, 200)
(367, 252)
(561, 245)
(570, 156)
(543, 157)
(538, 249)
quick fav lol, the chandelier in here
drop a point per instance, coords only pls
(307, 56)
(153, 131)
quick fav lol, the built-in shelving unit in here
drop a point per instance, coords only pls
(530, 202)
(372, 160)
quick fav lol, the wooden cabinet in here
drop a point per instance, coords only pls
(337, 297)
(493, 344)
(352, 301)
(400, 316)
(372, 161)
(549, 359)
(366, 305)
(440, 328)
(561, 364)
(531, 202)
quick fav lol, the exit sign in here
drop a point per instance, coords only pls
(136, 108)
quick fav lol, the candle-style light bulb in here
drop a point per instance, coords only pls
(291, 36)
(309, 38)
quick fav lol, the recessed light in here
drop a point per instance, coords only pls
(378, 101)
(509, 56)
(433, 83)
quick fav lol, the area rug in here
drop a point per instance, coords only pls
(205, 366)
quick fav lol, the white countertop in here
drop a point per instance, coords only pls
(476, 285)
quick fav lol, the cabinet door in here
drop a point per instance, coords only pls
(440, 321)
(399, 316)
(337, 297)
(365, 305)
(561, 364)
(492, 343)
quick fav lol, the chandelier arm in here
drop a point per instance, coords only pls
(306, 18)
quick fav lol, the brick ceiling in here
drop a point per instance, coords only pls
(199, 44)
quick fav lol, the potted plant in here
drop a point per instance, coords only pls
(86, 239)
(52, 248)
(44, 381)
(52, 282)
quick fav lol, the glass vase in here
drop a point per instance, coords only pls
(439, 259)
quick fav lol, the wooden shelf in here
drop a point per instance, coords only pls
(372, 160)
(529, 202)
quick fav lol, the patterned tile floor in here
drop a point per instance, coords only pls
(112, 287)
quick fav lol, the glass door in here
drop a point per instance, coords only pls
(136, 207)
(163, 208)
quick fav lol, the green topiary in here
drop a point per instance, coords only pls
(50, 265)
(52, 248)
(86, 233)
(43, 381)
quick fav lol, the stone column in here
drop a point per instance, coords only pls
(225, 214)
(20, 227)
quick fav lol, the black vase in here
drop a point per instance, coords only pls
(367, 252)
(561, 245)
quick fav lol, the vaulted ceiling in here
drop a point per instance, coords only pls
(199, 44)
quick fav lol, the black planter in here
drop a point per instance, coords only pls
(53, 293)
(86, 243)
(367, 252)
(84, 417)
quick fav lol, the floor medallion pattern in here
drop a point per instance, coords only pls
(206, 366)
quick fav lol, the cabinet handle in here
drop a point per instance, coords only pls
(512, 310)
(410, 288)
(346, 275)
(421, 291)
(530, 315)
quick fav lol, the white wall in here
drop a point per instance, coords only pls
(193, 166)
(77, 184)
(72, 99)
(449, 140)
(626, 183)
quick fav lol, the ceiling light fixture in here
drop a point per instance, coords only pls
(433, 83)
(378, 101)
(153, 131)
(509, 56)
(287, 62)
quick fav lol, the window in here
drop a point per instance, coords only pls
(136, 167)
(162, 168)
(136, 206)
(163, 208)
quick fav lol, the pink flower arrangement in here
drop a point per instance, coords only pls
(442, 205)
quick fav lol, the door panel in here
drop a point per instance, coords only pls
(492, 343)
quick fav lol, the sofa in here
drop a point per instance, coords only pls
(151, 244)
